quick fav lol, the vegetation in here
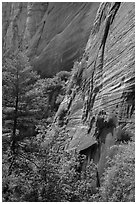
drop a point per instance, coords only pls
(28, 101)
(18, 80)
(50, 174)
(76, 78)
(118, 183)
(47, 174)
(36, 170)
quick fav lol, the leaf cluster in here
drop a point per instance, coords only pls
(118, 182)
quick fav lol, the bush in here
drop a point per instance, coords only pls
(48, 175)
(118, 183)
(123, 135)
(63, 75)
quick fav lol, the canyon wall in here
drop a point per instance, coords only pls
(99, 107)
(53, 34)
(100, 104)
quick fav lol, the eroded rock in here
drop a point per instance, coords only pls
(105, 99)
(53, 34)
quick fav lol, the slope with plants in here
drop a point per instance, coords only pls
(82, 144)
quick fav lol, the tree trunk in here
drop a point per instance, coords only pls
(13, 138)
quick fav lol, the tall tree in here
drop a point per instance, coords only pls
(18, 80)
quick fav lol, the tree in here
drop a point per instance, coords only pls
(47, 94)
(48, 174)
(18, 80)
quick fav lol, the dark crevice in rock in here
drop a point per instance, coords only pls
(42, 28)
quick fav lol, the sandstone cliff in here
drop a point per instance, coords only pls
(53, 34)
(100, 104)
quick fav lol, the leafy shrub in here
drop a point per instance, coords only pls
(51, 174)
(124, 135)
(63, 75)
(76, 73)
(47, 175)
(118, 183)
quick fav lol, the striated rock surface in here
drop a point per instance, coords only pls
(13, 25)
(99, 107)
(101, 101)
(54, 34)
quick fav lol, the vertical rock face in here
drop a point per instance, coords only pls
(100, 102)
(13, 27)
(53, 34)
(104, 100)
(35, 13)
(62, 36)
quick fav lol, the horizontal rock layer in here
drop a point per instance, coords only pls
(104, 101)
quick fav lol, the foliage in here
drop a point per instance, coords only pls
(47, 174)
(42, 169)
(27, 98)
(49, 93)
(76, 75)
(124, 135)
(77, 186)
(63, 75)
(18, 80)
(118, 183)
